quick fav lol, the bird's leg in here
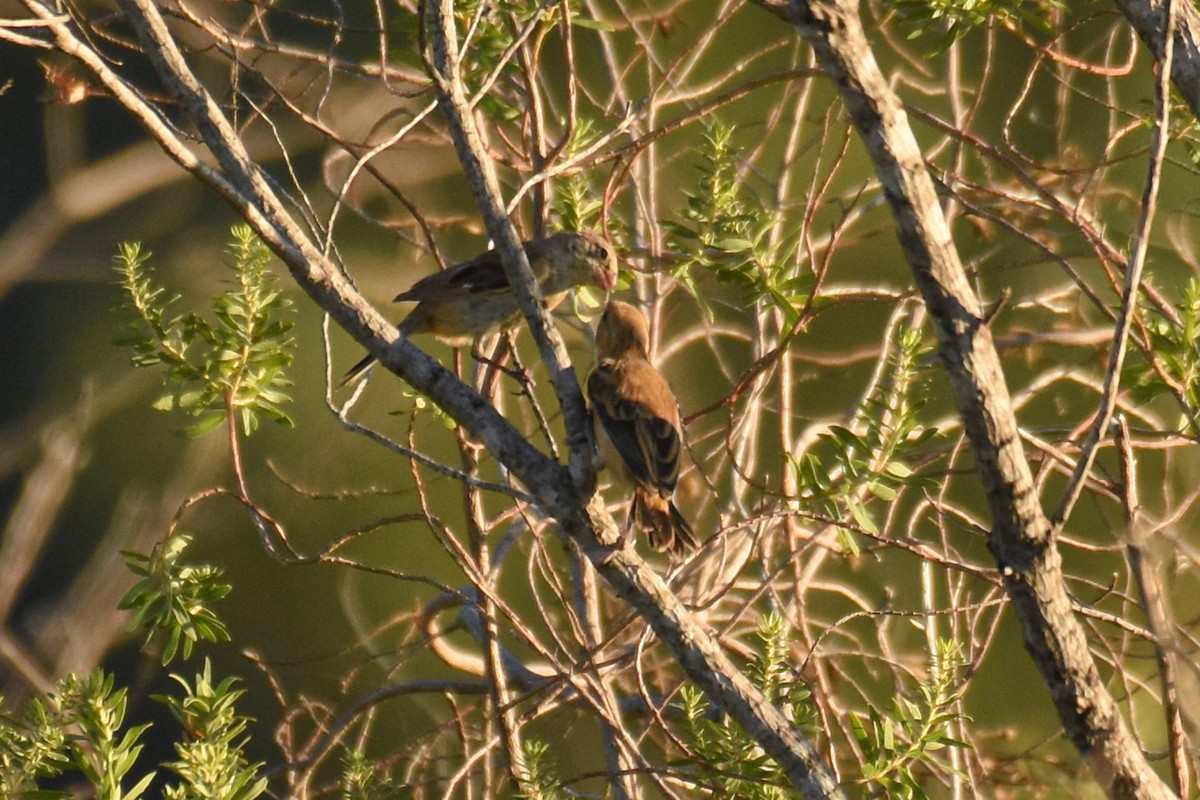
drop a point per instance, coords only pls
(627, 528)
(504, 347)
(517, 372)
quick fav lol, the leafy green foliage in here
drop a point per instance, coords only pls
(577, 205)
(874, 462)
(416, 402)
(1176, 347)
(897, 744)
(732, 762)
(77, 727)
(721, 234)
(361, 780)
(175, 599)
(956, 18)
(1184, 127)
(211, 763)
(234, 365)
(540, 782)
(576, 202)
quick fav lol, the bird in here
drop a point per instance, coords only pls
(473, 297)
(635, 418)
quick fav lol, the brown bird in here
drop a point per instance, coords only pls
(474, 297)
(636, 421)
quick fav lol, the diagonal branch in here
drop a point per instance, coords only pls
(582, 518)
(1022, 539)
(240, 181)
(481, 175)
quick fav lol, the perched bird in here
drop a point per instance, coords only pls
(636, 421)
(473, 297)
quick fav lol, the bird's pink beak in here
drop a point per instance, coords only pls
(605, 279)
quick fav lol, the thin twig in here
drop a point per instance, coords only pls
(1159, 139)
(1150, 588)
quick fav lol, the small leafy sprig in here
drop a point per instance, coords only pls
(78, 726)
(956, 18)
(1176, 347)
(491, 27)
(875, 461)
(732, 762)
(576, 202)
(539, 781)
(175, 599)
(718, 233)
(361, 779)
(211, 762)
(233, 366)
(896, 745)
(577, 205)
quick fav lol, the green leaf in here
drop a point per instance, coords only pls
(862, 517)
(849, 438)
(591, 24)
(848, 541)
(206, 424)
(248, 348)
(172, 598)
(733, 245)
(882, 491)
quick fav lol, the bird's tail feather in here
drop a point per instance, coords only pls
(665, 527)
(357, 371)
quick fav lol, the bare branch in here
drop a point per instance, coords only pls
(1133, 277)
(1022, 539)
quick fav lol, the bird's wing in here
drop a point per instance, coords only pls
(480, 275)
(637, 409)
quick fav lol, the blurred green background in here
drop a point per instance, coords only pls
(80, 178)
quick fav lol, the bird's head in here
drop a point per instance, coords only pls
(622, 331)
(597, 256)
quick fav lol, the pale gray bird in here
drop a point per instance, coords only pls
(474, 297)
